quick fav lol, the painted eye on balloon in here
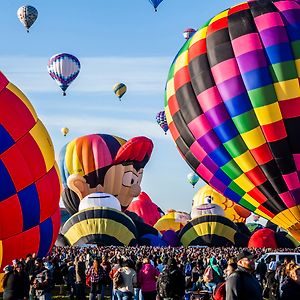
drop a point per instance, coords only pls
(129, 179)
(208, 199)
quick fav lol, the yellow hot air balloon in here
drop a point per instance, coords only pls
(65, 131)
(119, 89)
(233, 211)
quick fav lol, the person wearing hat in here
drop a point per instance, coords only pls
(242, 284)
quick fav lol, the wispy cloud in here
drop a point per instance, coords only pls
(115, 126)
(144, 75)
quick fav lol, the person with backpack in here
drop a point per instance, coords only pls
(213, 274)
(127, 281)
(171, 282)
(242, 284)
(188, 273)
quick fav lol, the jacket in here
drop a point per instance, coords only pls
(241, 285)
(147, 278)
(290, 290)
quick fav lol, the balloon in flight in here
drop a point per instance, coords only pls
(162, 121)
(27, 15)
(63, 68)
(119, 89)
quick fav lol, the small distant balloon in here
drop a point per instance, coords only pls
(63, 68)
(162, 121)
(65, 131)
(193, 178)
(27, 15)
(155, 3)
(188, 33)
(119, 89)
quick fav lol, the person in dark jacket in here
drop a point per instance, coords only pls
(291, 288)
(23, 282)
(261, 270)
(9, 284)
(171, 282)
(242, 285)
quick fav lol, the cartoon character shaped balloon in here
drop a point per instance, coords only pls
(30, 182)
(232, 105)
(232, 211)
(103, 163)
(27, 15)
(63, 68)
(172, 220)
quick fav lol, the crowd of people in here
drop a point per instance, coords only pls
(150, 273)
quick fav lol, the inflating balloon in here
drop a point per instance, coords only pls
(103, 163)
(99, 200)
(209, 230)
(63, 68)
(263, 238)
(173, 220)
(145, 208)
(30, 183)
(100, 225)
(232, 105)
(27, 15)
(188, 33)
(119, 89)
(155, 3)
(206, 209)
(193, 178)
(65, 131)
(254, 226)
(232, 211)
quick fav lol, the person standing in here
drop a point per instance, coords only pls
(242, 284)
(95, 273)
(80, 277)
(9, 283)
(129, 279)
(291, 288)
(147, 278)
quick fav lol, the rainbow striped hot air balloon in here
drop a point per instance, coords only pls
(233, 107)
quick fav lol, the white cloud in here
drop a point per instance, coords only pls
(144, 75)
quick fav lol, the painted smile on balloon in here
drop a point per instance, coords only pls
(207, 207)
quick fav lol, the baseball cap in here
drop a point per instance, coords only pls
(244, 254)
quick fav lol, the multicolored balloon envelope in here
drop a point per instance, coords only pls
(107, 161)
(63, 68)
(27, 15)
(29, 179)
(100, 225)
(233, 107)
(209, 230)
(162, 121)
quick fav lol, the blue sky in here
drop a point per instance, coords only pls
(116, 41)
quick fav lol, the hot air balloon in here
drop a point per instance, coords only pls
(173, 220)
(193, 178)
(63, 68)
(27, 15)
(103, 163)
(155, 3)
(209, 230)
(119, 89)
(145, 208)
(162, 121)
(100, 225)
(263, 238)
(232, 105)
(188, 33)
(30, 182)
(232, 211)
(65, 131)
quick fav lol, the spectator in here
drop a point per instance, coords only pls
(147, 278)
(95, 273)
(80, 277)
(242, 285)
(291, 288)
